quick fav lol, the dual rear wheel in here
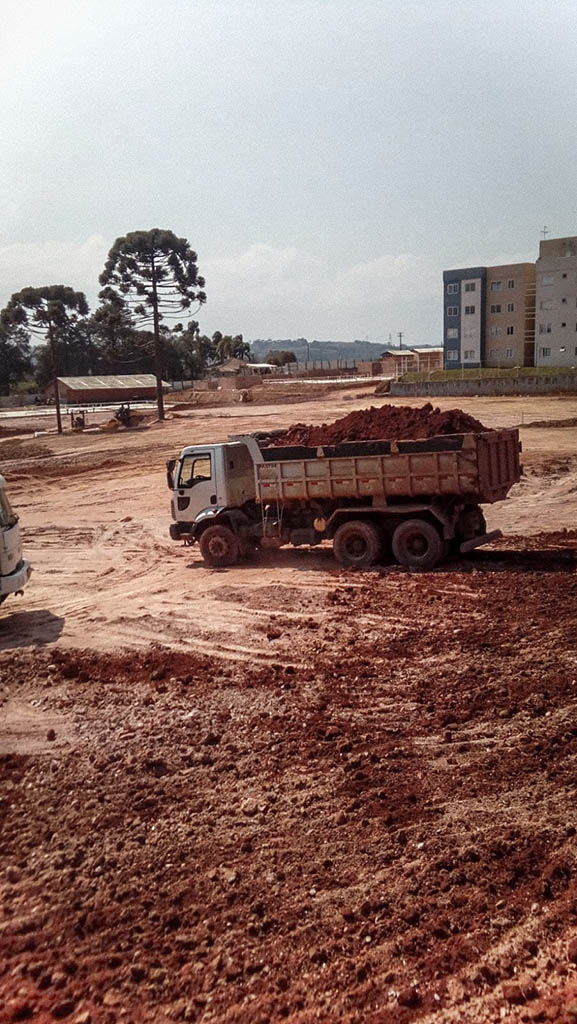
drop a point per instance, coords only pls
(415, 543)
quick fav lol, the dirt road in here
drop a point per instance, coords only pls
(322, 795)
(95, 515)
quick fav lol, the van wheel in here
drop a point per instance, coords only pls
(219, 546)
(357, 543)
(417, 544)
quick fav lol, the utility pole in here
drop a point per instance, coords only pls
(400, 337)
(55, 372)
(157, 345)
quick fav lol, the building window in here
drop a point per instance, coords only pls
(510, 329)
(470, 286)
(547, 279)
(469, 310)
(493, 353)
(563, 275)
(563, 324)
(452, 310)
(495, 332)
(544, 328)
(545, 352)
(452, 289)
(496, 286)
(452, 332)
(511, 283)
(510, 307)
(546, 304)
(496, 308)
(564, 302)
(509, 353)
(452, 357)
(469, 353)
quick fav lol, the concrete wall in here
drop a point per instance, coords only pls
(565, 383)
(103, 395)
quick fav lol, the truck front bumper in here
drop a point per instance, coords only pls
(181, 531)
(16, 580)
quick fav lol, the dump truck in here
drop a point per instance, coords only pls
(14, 570)
(412, 501)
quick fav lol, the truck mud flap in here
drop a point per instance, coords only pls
(477, 542)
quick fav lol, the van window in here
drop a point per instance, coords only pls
(194, 469)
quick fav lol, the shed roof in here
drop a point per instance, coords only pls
(129, 381)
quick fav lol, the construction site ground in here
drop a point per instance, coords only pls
(284, 791)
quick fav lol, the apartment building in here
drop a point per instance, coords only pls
(556, 312)
(510, 315)
(464, 317)
(489, 316)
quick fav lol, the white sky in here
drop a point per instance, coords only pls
(327, 159)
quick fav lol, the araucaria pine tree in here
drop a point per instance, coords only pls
(156, 274)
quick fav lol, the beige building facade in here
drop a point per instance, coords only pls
(556, 312)
(510, 315)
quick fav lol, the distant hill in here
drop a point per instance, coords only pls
(317, 350)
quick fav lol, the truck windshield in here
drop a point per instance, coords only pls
(7, 515)
(194, 469)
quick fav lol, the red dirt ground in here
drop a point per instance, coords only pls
(393, 422)
(379, 826)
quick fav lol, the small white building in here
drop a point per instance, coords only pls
(238, 368)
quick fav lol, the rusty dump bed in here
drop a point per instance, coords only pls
(478, 467)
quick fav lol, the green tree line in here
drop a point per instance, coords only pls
(150, 285)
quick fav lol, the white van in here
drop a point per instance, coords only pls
(14, 570)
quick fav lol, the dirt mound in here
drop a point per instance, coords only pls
(391, 422)
(571, 422)
(15, 429)
(17, 449)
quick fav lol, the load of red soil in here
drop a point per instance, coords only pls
(390, 422)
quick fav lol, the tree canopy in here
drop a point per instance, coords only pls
(15, 354)
(280, 357)
(229, 347)
(56, 313)
(156, 275)
(150, 279)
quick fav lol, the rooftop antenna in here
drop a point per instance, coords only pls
(545, 231)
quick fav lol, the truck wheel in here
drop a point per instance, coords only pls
(417, 544)
(357, 543)
(219, 546)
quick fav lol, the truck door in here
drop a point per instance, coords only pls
(196, 484)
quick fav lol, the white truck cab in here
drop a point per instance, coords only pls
(14, 570)
(210, 477)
